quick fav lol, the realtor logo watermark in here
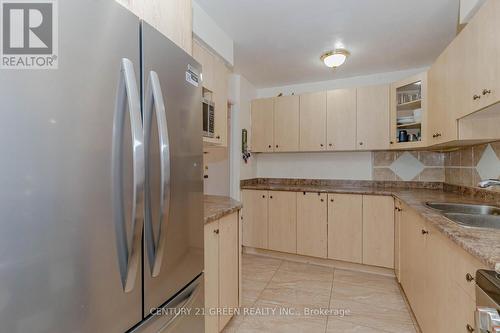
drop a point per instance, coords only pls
(29, 34)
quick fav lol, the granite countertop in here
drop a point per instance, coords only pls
(217, 207)
(483, 244)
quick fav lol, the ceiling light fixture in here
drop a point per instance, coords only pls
(335, 58)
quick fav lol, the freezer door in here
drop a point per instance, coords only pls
(67, 259)
(174, 159)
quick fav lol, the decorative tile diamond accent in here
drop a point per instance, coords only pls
(407, 166)
(489, 164)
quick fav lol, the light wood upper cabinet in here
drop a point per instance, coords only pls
(286, 123)
(373, 117)
(207, 61)
(341, 119)
(173, 18)
(378, 230)
(345, 227)
(312, 219)
(262, 125)
(283, 221)
(255, 219)
(220, 99)
(228, 266)
(483, 48)
(313, 121)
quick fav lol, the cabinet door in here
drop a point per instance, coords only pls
(485, 52)
(313, 121)
(312, 233)
(286, 123)
(345, 227)
(262, 125)
(373, 117)
(207, 61)
(413, 261)
(228, 266)
(283, 221)
(378, 230)
(173, 18)
(211, 275)
(341, 119)
(255, 219)
(220, 98)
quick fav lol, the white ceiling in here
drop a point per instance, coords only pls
(279, 42)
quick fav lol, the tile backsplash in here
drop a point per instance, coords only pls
(464, 166)
(467, 166)
(425, 166)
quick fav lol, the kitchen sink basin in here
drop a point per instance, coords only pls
(475, 221)
(465, 208)
(469, 215)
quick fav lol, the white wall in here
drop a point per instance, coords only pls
(332, 165)
(207, 30)
(468, 8)
(357, 81)
(241, 93)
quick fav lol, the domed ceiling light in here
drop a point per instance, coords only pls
(335, 58)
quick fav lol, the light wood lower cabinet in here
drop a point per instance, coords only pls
(345, 227)
(255, 219)
(348, 227)
(312, 233)
(378, 230)
(221, 270)
(435, 274)
(283, 221)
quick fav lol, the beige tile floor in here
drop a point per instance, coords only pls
(374, 302)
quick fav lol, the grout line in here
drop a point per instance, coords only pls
(330, 300)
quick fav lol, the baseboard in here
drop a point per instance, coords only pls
(320, 261)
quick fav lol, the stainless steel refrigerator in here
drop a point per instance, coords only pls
(101, 191)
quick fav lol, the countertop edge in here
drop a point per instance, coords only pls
(217, 207)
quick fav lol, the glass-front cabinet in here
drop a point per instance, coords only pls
(409, 112)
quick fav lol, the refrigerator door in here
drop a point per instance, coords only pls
(62, 266)
(174, 159)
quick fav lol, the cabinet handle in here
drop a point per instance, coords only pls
(276, 146)
(263, 196)
(216, 231)
(469, 277)
(321, 144)
(361, 143)
(269, 146)
(331, 200)
(391, 142)
(476, 97)
(330, 144)
(486, 92)
(217, 137)
(271, 197)
(322, 200)
(469, 328)
(424, 232)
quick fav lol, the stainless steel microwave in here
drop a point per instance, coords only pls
(208, 118)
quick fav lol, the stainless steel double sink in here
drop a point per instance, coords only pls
(469, 215)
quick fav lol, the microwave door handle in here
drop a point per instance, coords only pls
(154, 101)
(129, 250)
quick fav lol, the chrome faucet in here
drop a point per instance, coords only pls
(488, 182)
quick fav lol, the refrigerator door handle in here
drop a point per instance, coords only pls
(129, 246)
(156, 246)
